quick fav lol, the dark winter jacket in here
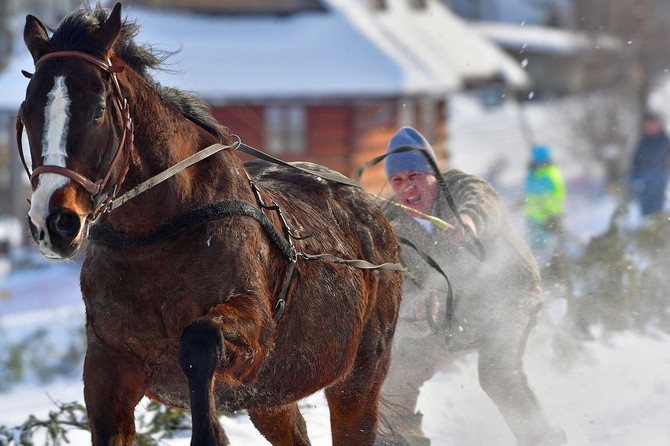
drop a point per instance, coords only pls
(485, 291)
(652, 153)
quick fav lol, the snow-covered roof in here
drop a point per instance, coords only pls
(304, 55)
(543, 39)
(439, 40)
(349, 51)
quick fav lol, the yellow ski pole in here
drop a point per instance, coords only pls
(431, 218)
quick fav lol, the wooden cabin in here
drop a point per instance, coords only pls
(330, 81)
(339, 134)
(320, 80)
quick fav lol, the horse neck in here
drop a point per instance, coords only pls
(162, 138)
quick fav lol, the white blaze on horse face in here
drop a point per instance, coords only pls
(54, 138)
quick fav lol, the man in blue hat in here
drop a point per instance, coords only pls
(412, 177)
(496, 296)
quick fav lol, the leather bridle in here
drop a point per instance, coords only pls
(97, 189)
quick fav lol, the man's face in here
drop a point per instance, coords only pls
(652, 127)
(415, 190)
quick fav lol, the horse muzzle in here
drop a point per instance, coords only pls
(61, 235)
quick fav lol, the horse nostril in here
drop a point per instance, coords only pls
(64, 223)
(37, 234)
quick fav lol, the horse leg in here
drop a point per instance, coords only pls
(354, 408)
(502, 377)
(354, 401)
(113, 386)
(281, 426)
(200, 350)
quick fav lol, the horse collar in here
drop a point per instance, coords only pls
(201, 215)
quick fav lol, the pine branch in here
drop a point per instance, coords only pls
(158, 422)
(56, 426)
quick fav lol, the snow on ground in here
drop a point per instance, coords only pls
(611, 391)
(615, 394)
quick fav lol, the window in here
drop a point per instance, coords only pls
(285, 129)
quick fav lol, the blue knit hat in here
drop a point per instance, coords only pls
(540, 154)
(411, 160)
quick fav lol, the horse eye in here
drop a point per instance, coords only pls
(98, 114)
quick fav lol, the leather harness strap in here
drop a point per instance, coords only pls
(328, 175)
(170, 172)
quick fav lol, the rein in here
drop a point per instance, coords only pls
(450, 305)
(209, 151)
(337, 178)
(169, 173)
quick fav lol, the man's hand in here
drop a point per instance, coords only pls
(459, 235)
(427, 306)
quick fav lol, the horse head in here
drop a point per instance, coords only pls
(78, 127)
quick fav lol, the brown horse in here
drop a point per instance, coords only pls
(184, 285)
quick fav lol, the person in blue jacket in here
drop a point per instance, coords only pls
(651, 166)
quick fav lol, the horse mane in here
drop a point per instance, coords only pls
(72, 34)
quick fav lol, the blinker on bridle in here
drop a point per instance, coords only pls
(94, 188)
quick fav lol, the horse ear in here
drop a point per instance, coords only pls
(36, 37)
(109, 30)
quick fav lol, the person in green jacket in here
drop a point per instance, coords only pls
(544, 204)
